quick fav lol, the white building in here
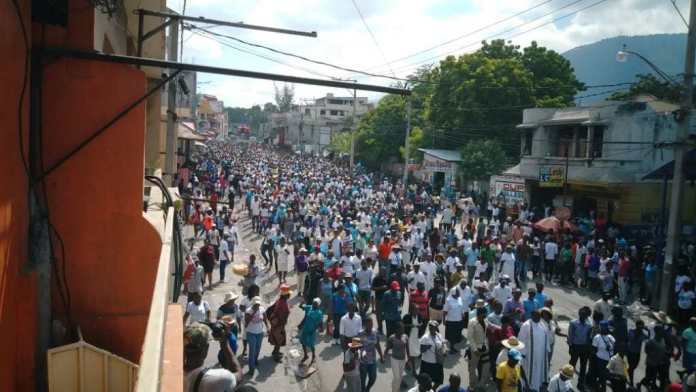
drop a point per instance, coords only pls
(595, 158)
(310, 126)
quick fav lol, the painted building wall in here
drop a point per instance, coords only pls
(95, 198)
(17, 290)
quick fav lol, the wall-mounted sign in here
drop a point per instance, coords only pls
(434, 164)
(551, 176)
(511, 189)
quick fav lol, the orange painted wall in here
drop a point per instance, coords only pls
(17, 298)
(95, 198)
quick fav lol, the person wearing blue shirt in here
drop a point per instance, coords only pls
(529, 305)
(580, 342)
(340, 308)
(455, 382)
(540, 298)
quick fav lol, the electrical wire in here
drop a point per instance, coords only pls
(25, 83)
(412, 65)
(676, 8)
(478, 30)
(216, 38)
(374, 39)
(320, 62)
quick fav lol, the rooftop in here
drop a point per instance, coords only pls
(445, 155)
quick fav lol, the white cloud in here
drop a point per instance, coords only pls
(401, 28)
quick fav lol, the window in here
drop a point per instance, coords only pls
(597, 142)
(341, 113)
(334, 112)
(527, 139)
(322, 112)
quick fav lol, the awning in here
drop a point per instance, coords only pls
(667, 170)
(184, 132)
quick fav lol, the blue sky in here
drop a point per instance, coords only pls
(401, 28)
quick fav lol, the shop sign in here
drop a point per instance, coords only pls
(509, 188)
(551, 176)
(433, 164)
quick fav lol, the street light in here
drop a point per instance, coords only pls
(622, 57)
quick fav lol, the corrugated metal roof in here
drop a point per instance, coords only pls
(445, 155)
(568, 117)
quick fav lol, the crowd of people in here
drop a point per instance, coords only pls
(393, 272)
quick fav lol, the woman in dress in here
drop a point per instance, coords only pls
(312, 325)
(278, 315)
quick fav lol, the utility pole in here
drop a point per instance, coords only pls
(353, 128)
(680, 150)
(406, 143)
(170, 157)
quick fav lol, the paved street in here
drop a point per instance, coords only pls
(327, 378)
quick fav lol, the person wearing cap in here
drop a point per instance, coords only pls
(391, 306)
(478, 352)
(507, 344)
(311, 325)
(277, 315)
(255, 323)
(201, 378)
(433, 349)
(351, 365)
(509, 374)
(561, 381)
(535, 337)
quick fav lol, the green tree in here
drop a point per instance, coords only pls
(415, 141)
(381, 132)
(650, 84)
(482, 159)
(482, 94)
(340, 142)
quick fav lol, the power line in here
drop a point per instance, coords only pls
(486, 27)
(512, 36)
(374, 39)
(342, 68)
(676, 8)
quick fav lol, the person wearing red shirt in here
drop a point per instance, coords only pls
(624, 274)
(335, 272)
(418, 300)
(385, 248)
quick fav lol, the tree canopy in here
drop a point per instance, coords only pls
(479, 95)
(650, 84)
(482, 159)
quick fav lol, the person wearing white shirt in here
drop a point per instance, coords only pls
(414, 277)
(197, 310)
(451, 263)
(224, 257)
(428, 268)
(396, 259)
(502, 292)
(453, 314)
(350, 326)
(465, 293)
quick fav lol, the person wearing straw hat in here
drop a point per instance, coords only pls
(510, 343)
(230, 308)
(351, 365)
(561, 381)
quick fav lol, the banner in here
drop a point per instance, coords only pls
(551, 176)
(511, 189)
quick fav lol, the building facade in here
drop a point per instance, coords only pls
(309, 127)
(595, 159)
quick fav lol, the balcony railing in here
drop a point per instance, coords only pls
(152, 375)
